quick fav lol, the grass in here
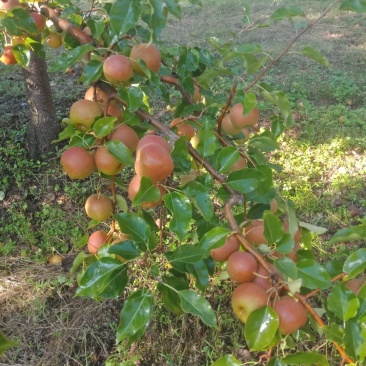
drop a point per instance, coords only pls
(324, 168)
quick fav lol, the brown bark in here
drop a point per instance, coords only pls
(43, 126)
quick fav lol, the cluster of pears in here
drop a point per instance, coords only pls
(7, 56)
(256, 286)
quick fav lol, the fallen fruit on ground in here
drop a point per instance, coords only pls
(77, 162)
(55, 259)
(246, 298)
(291, 313)
(99, 207)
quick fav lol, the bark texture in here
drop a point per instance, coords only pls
(43, 126)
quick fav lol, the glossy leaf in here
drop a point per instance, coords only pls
(22, 55)
(355, 340)
(286, 244)
(245, 180)
(124, 15)
(104, 126)
(135, 315)
(120, 151)
(315, 55)
(352, 233)
(181, 209)
(286, 266)
(227, 360)
(342, 302)
(250, 101)
(133, 225)
(158, 17)
(273, 228)
(180, 156)
(79, 259)
(306, 358)
(104, 278)
(96, 27)
(185, 254)
(358, 6)
(133, 96)
(196, 304)
(173, 7)
(200, 272)
(260, 328)
(148, 192)
(207, 140)
(188, 61)
(275, 361)
(169, 288)
(68, 59)
(334, 332)
(127, 249)
(315, 229)
(355, 263)
(287, 12)
(6, 343)
(313, 275)
(264, 143)
(200, 197)
(226, 158)
(214, 238)
(92, 71)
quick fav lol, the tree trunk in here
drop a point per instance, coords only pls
(43, 126)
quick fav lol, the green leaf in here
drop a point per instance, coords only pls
(92, 71)
(200, 197)
(315, 55)
(287, 12)
(134, 225)
(78, 261)
(263, 143)
(273, 228)
(214, 238)
(260, 328)
(275, 361)
(286, 244)
(352, 233)
(24, 21)
(104, 278)
(355, 340)
(68, 59)
(306, 358)
(286, 266)
(227, 360)
(120, 151)
(6, 343)
(250, 101)
(104, 126)
(173, 7)
(22, 55)
(358, 6)
(180, 156)
(313, 274)
(245, 180)
(200, 272)
(334, 332)
(127, 249)
(355, 263)
(124, 15)
(342, 302)
(147, 192)
(181, 209)
(183, 255)
(135, 316)
(158, 17)
(188, 61)
(315, 229)
(96, 27)
(195, 304)
(279, 99)
(208, 142)
(133, 96)
(169, 288)
(226, 158)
